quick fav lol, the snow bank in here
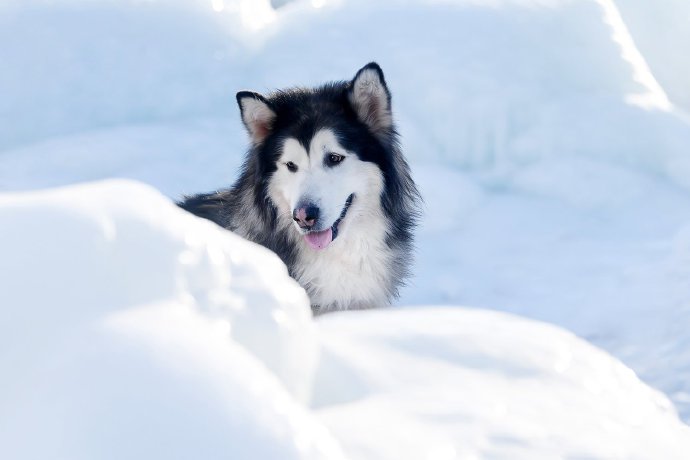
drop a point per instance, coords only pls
(493, 86)
(449, 383)
(510, 82)
(131, 329)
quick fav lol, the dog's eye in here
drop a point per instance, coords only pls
(292, 167)
(333, 159)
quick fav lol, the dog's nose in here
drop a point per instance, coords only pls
(306, 216)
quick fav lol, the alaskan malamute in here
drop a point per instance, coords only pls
(325, 186)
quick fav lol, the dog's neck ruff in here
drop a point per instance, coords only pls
(319, 240)
(356, 274)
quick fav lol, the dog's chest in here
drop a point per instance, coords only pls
(354, 274)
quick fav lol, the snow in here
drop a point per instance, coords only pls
(548, 138)
(178, 260)
(663, 36)
(135, 321)
(460, 383)
(165, 336)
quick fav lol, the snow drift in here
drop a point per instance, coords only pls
(132, 329)
(456, 383)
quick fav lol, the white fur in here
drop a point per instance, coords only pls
(353, 271)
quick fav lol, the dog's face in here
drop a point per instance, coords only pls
(324, 187)
(322, 152)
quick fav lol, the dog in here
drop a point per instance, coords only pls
(325, 186)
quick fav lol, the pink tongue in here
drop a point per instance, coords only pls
(319, 240)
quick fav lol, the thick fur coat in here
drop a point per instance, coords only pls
(325, 186)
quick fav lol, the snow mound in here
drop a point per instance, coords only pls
(449, 383)
(124, 318)
(131, 329)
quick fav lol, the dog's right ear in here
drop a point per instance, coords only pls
(257, 115)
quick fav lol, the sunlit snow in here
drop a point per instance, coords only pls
(549, 139)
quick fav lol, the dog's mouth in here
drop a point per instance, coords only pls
(321, 239)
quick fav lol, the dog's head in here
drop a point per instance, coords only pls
(322, 154)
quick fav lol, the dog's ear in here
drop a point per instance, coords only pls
(257, 115)
(370, 98)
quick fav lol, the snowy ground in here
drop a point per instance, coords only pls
(549, 141)
(216, 356)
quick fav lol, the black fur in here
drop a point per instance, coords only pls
(300, 113)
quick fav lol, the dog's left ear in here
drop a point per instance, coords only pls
(370, 98)
(257, 115)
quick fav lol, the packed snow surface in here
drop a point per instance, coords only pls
(459, 383)
(135, 330)
(550, 143)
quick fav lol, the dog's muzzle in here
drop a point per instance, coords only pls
(307, 218)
